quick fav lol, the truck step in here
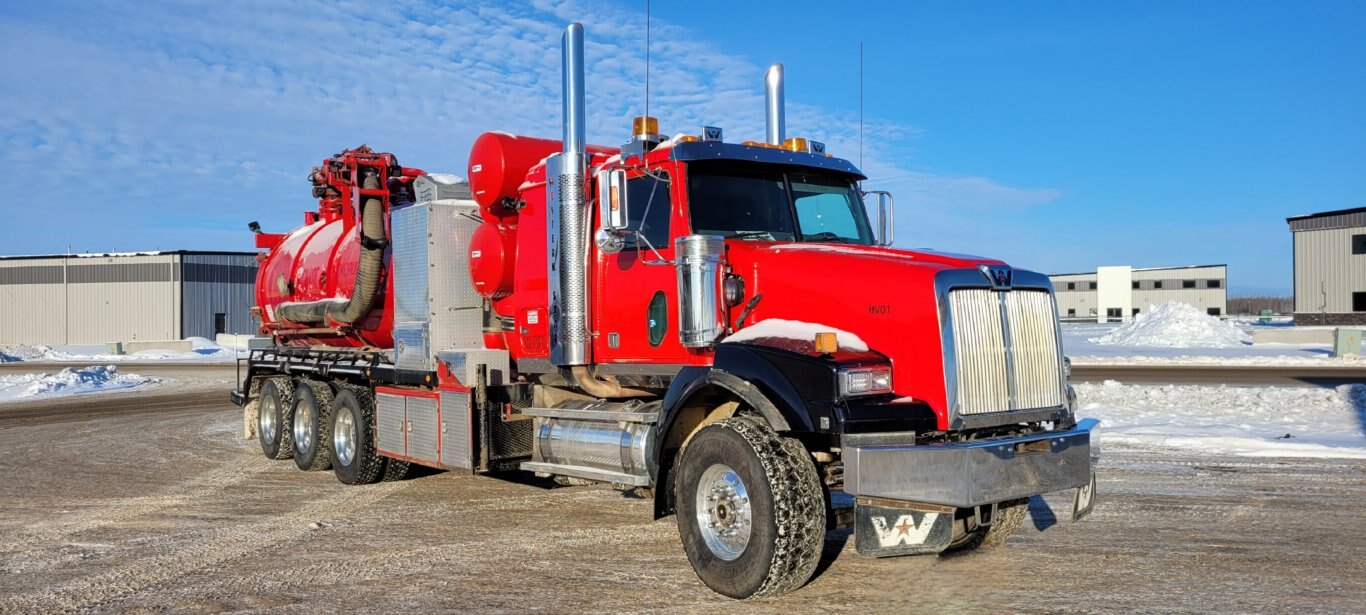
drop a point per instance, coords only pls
(607, 412)
(605, 476)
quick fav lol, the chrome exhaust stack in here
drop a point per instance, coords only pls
(773, 107)
(567, 216)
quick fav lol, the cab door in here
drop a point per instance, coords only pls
(635, 298)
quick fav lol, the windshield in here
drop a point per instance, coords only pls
(775, 205)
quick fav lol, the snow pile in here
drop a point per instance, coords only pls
(1255, 421)
(1321, 360)
(15, 353)
(203, 350)
(1176, 325)
(795, 330)
(69, 382)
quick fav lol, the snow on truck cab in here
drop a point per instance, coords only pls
(718, 324)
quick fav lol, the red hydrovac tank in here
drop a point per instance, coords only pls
(316, 265)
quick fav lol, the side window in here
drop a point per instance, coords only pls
(648, 211)
(1214, 284)
(1187, 283)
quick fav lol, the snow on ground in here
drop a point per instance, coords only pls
(204, 351)
(1252, 421)
(1174, 324)
(1077, 343)
(69, 381)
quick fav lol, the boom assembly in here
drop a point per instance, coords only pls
(717, 324)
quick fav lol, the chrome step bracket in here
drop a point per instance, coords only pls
(588, 473)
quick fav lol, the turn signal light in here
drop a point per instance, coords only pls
(827, 343)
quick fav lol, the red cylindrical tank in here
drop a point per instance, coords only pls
(492, 249)
(498, 165)
(318, 264)
(313, 263)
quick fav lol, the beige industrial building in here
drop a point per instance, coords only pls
(99, 298)
(1330, 267)
(1120, 293)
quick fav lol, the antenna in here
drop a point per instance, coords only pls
(647, 58)
(860, 105)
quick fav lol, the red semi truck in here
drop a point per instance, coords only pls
(718, 324)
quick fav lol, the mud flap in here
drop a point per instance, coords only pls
(887, 528)
(1084, 500)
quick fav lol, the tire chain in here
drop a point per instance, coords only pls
(376, 465)
(284, 420)
(322, 445)
(798, 504)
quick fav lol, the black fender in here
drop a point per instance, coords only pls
(792, 391)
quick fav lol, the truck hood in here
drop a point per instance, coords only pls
(885, 296)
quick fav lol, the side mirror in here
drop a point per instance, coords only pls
(612, 219)
(886, 222)
(612, 199)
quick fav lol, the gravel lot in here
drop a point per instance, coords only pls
(150, 501)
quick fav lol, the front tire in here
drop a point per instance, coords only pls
(354, 458)
(275, 418)
(968, 536)
(312, 425)
(751, 512)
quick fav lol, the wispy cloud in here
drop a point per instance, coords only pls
(132, 125)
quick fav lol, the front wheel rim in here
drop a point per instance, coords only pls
(724, 516)
(344, 436)
(303, 428)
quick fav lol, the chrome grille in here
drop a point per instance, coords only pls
(1005, 350)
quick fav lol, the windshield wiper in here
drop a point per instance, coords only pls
(826, 236)
(753, 235)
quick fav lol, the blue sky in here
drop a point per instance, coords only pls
(1058, 136)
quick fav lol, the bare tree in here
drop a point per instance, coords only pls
(1254, 304)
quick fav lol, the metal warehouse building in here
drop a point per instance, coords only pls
(1120, 293)
(1330, 267)
(98, 298)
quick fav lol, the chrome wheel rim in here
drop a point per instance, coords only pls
(303, 428)
(723, 512)
(266, 419)
(344, 436)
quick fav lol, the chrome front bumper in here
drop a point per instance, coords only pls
(971, 473)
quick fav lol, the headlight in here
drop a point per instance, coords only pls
(865, 380)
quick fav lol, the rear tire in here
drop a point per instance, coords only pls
(275, 418)
(751, 512)
(312, 425)
(395, 469)
(353, 437)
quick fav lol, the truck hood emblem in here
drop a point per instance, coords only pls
(999, 275)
